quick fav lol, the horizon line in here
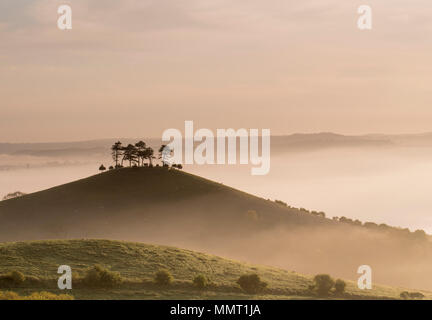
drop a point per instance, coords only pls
(275, 135)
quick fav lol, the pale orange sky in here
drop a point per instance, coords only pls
(137, 67)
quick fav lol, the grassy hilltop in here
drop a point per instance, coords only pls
(170, 207)
(137, 263)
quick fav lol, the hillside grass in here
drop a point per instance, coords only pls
(142, 194)
(137, 263)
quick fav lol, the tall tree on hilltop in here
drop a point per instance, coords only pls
(116, 151)
(130, 154)
(141, 152)
(149, 154)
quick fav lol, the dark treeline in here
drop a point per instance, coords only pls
(417, 234)
(138, 155)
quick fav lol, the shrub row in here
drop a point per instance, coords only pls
(324, 285)
(250, 283)
(100, 277)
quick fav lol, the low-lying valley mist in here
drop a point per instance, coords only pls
(383, 181)
(215, 150)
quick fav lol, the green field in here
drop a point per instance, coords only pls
(137, 263)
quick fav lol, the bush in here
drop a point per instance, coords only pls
(281, 203)
(12, 278)
(163, 278)
(101, 277)
(339, 286)
(319, 214)
(416, 295)
(251, 284)
(411, 295)
(323, 283)
(370, 225)
(200, 282)
(13, 195)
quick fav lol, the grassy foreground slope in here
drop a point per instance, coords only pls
(137, 264)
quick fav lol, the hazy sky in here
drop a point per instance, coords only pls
(137, 67)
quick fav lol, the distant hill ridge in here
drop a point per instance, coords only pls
(286, 142)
